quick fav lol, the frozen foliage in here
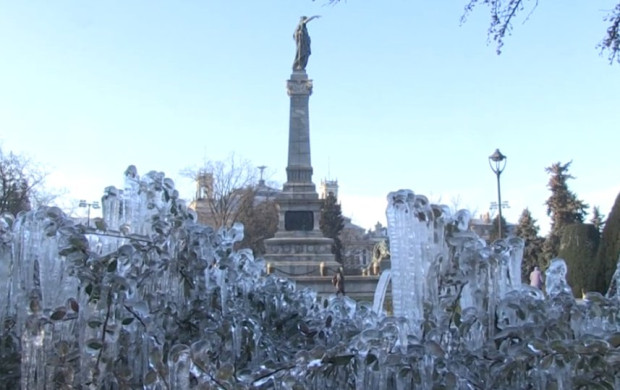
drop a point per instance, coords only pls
(151, 299)
(438, 263)
(613, 291)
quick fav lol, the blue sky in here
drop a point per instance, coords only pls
(404, 96)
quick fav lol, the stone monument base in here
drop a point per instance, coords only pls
(295, 257)
(360, 288)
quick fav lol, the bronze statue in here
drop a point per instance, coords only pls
(303, 43)
(338, 281)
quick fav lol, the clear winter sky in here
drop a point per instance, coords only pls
(404, 96)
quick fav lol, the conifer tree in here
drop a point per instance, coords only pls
(598, 219)
(562, 206)
(494, 232)
(332, 222)
(578, 246)
(609, 248)
(528, 231)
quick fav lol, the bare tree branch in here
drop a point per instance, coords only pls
(504, 12)
(21, 183)
(611, 42)
(222, 187)
(502, 15)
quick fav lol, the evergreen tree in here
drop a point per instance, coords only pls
(494, 232)
(609, 249)
(598, 219)
(551, 246)
(528, 231)
(562, 206)
(578, 246)
(332, 222)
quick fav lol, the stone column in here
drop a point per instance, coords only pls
(299, 250)
(299, 168)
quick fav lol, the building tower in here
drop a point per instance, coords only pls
(328, 187)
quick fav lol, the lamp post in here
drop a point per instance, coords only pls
(94, 205)
(497, 162)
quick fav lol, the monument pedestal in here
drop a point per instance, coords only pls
(295, 257)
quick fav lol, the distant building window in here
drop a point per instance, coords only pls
(365, 257)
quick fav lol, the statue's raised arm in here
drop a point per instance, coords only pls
(302, 39)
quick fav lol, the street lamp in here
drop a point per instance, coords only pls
(497, 162)
(94, 205)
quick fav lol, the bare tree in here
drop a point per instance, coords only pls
(456, 204)
(259, 216)
(503, 14)
(21, 183)
(222, 190)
